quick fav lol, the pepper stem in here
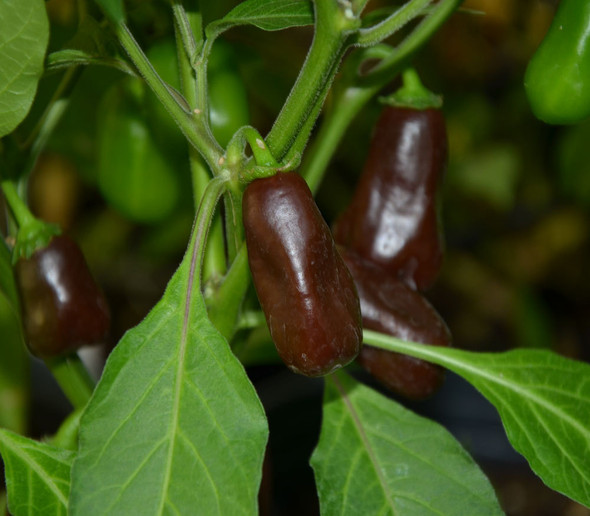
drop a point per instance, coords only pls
(73, 378)
(413, 94)
(21, 212)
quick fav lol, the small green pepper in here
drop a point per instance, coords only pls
(557, 79)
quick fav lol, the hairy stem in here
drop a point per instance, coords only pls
(332, 26)
(192, 123)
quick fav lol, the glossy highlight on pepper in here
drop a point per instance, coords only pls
(390, 306)
(393, 217)
(305, 290)
(63, 308)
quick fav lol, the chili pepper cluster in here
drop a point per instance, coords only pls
(392, 243)
(389, 250)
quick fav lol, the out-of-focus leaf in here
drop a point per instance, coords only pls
(14, 359)
(114, 9)
(24, 34)
(573, 164)
(14, 370)
(490, 175)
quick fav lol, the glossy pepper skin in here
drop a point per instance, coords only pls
(393, 219)
(390, 306)
(306, 292)
(62, 306)
(557, 79)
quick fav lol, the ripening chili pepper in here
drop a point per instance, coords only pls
(390, 306)
(306, 292)
(393, 217)
(557, 79)
(62, 306)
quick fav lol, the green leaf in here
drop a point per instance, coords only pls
(542, 398)
(91, 45)
(114, 9)
(24, 34)
(174, 423)
(66, 436)
(264, 14)
(37, 476)
(376, 457)
(72, 57)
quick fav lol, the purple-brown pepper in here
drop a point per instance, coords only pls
(393, 219)
(390, 306)
(305, 290)
(62, 306)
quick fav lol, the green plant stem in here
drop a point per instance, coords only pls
(214, 264)
(293, 157)
(192, 123)
(73, 378)
(347, 100)
(260, 151)
(358, 90)
(358, 6)
(389, 67)
(372, 35)
(187, 76)
(413, 94)
(234, 228)
(7, 282)
(183, 27)
(224, 306)
(331, 31)
(213, 192)
(21, 212)
(344, 109)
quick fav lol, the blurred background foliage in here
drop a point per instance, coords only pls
(516, 201)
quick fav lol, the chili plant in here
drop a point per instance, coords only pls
(174, 424)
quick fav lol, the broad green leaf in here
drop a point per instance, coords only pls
(24, 34)
(542, 398)
(264, 14)
(114, 9)
(376, 457)
(37, 476)
(174, 423)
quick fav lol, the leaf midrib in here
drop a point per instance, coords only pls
(365, 440)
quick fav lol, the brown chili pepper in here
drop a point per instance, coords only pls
(393, 217)
(390, 306)
(306, 292)
(62, 306)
